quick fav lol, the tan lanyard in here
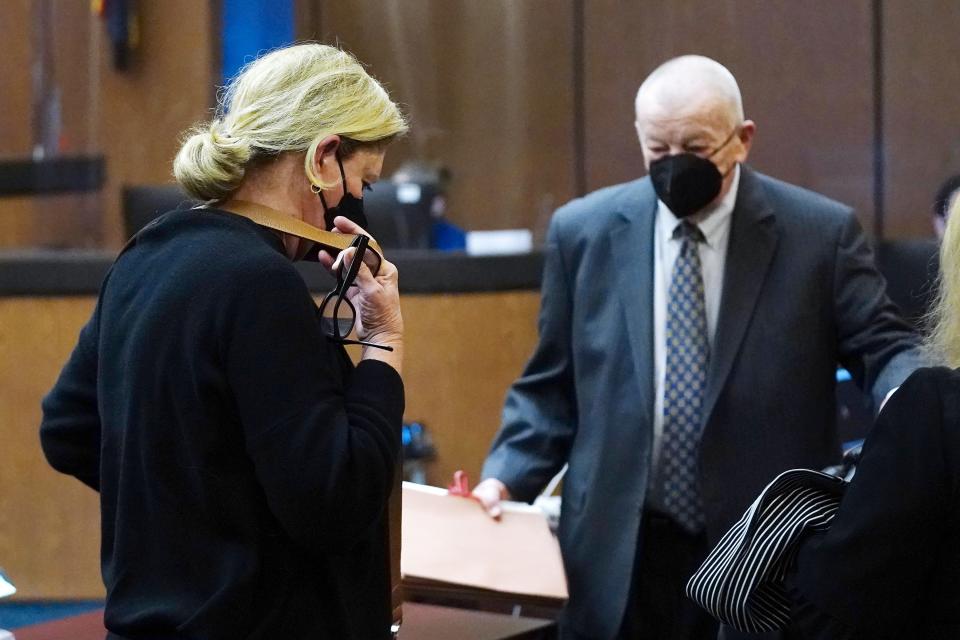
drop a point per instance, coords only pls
(278, 221)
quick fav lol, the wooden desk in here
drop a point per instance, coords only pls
(421, 622)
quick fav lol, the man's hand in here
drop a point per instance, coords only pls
(490, 493)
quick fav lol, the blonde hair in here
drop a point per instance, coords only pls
(943, 321)
(287, 100)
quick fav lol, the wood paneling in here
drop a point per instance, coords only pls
(170, 86)
(15, 71)
(15, 136)
(488, 85)
(63, 220)
(73, 219)
(921, 133)
(133, 117)
(804, 69)
(462, 353)
(49, 523)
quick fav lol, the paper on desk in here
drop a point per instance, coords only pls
(451, 539)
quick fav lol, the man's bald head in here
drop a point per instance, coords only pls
(691, 105)
(690, 83)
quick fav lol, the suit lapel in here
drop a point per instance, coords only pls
(753, 241)
(631, 241)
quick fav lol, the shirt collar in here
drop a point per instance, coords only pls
(711, 221)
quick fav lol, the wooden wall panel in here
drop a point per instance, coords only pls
(15, 71)
(921, 81)
(64, 220)
(15, 136)
(133, 117)
(49, 523)
(462, 353)
(804, 69)
(73, 219)
(489, 88)
(170, 87)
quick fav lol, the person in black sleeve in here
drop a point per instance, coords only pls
(243, 462)
(888, 565)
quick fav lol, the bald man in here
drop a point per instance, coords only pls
(690, 329)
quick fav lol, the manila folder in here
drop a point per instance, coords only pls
(451, 541)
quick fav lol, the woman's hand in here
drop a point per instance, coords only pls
(376, 298)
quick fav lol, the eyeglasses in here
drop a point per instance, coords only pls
(337, 314)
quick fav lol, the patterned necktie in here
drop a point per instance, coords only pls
(684, 383)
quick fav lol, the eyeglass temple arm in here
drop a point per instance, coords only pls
(362, 342)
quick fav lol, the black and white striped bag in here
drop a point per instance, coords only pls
(741, 581)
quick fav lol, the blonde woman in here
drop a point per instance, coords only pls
(243, 463)
(888, 567)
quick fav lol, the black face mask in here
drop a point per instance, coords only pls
(686, 182)
(350, 206)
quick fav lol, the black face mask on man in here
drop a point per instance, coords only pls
(686, 182)
(350, 206)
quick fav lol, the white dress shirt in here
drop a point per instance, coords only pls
(714, 223)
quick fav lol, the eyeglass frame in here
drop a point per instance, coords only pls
(362, 243)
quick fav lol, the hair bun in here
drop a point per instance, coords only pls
(211, 162)
(287, 100)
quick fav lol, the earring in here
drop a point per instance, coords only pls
(315, 189)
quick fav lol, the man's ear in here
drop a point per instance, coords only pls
(747, 130)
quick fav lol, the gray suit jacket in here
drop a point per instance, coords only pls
(801, 293)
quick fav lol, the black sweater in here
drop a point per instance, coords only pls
(243, 464)
(888, 567)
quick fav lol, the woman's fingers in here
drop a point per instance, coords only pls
(346, 225)
(345, 258)
(376, 298)
(326, 258)
(386, 276)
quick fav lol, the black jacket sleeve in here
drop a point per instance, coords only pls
(324, 449)
(869, 572)
(70, 430)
